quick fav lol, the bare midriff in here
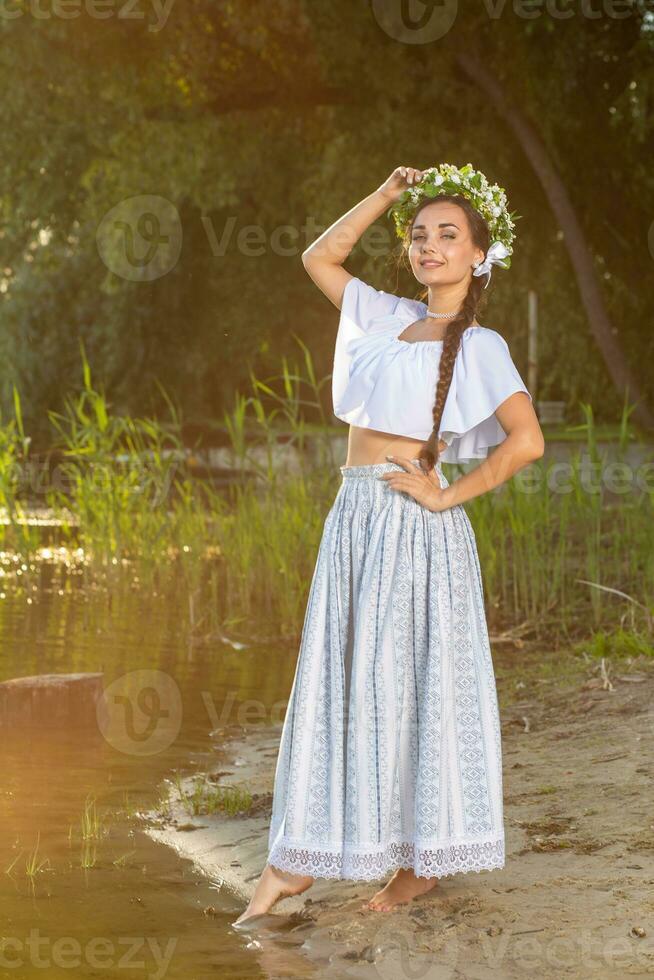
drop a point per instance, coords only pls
(368, 446)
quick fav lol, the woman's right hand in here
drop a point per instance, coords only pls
(400, 180)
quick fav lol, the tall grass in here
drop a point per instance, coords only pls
(15, 530)
(554, 552)
(270, 537)
(555, 546)
(117, 475)
(556, 559)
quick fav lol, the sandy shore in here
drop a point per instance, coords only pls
(576, 897)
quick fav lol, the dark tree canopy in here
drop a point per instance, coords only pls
(260, 124)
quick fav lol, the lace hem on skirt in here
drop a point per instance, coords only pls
(453, 857)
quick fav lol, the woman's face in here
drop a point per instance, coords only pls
(441, 250)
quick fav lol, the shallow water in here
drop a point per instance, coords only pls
(136, 909)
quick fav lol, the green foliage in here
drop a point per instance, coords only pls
(618, 644)
(205, 797)
(555, 558)
(15, 530)
(204, 111)
(118, 473)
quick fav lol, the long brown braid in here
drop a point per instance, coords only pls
(479, 232)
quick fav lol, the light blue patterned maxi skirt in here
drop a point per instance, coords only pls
(390, 752)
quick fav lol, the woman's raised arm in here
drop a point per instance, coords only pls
(324, 258)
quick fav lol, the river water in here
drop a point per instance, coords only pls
(117, 904)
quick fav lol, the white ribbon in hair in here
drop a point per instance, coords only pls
(494, 256)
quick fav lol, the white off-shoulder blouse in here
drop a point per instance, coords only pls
(384, 383)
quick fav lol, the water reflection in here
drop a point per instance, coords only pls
(70, 800)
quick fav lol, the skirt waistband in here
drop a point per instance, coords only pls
(371, 470)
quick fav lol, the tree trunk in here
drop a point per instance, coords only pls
(580, 257)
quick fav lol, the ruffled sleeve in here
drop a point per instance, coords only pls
(484, 376)
(361, 305)
(363, 311)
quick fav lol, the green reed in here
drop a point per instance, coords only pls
(269, 545)
(206, 797)
(269, 538)
(116, 476)
(555, 547)
(34, 863)
(557, 556)
(15, 531)
(92, 827)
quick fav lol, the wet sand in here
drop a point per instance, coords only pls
(576, 897)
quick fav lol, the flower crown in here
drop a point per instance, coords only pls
(489, 200)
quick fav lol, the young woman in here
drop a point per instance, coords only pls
(390, 754)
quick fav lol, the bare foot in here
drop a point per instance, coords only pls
(403, 886)
(273, 885)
